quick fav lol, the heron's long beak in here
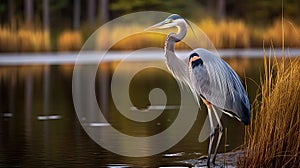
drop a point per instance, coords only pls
(156, 26)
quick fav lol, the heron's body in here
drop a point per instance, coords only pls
(209, 78)
(224, 89)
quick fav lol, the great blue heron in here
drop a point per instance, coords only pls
(209, 78)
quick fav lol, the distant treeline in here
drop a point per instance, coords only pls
(73, 14)
(44, 25)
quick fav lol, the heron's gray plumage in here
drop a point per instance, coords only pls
(177, 66)
(209, 78)
(220, 85)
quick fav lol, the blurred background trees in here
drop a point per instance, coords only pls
(65, 19)
(75, 13)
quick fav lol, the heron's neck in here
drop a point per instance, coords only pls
(177, 66)
(172, 38)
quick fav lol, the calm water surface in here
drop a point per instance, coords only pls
(29, 93)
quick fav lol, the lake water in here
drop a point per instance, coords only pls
(39, 125)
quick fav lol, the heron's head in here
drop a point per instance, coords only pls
(171, 21)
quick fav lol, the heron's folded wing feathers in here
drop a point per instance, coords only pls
(220, 85)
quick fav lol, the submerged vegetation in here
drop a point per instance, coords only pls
(272, 139)
(223, 34)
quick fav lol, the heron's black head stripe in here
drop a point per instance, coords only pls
(197, 62)
(192, 55)
(174, 17)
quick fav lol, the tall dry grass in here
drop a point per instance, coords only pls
(226, 33)
(291, 35)
(273, 137)
(24, 40)
(69, 41)
(223, 34)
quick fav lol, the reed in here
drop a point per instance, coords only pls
(272, 139)
(223, 34)
(226, 33)
(24, 40)
(272, 35)
(69, 41)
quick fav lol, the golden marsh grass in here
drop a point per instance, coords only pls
(223, 34)
(69, 41)
(291, 35)
(226, 34)
(24, 40)
(272, 139)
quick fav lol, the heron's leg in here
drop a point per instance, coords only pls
(220, 133)
(212, 133)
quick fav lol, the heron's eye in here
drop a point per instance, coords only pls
(168, 21)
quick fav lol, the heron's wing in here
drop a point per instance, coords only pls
(215, 81)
